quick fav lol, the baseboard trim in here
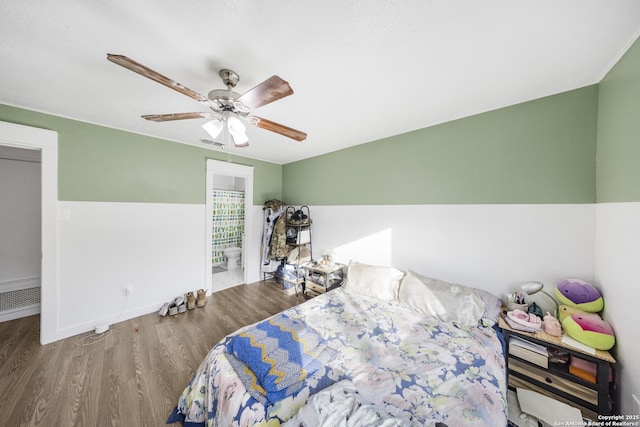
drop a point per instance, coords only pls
(110, 320)
(27, 311)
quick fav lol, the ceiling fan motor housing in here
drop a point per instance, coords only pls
(229, 77)
(225, 100)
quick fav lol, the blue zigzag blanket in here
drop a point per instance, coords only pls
(274, 357)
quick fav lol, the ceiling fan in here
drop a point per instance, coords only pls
(228, 108)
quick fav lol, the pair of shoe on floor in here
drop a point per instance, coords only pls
(184, 303)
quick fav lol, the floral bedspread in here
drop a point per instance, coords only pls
(403, 364)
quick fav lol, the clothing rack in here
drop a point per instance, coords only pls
(291, 229)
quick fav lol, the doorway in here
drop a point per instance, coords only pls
(20, 231)
(46, 141)
(234, 180)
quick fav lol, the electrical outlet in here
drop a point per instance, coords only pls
(127, 290)
(64, 214)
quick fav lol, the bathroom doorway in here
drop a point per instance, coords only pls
(229, 198)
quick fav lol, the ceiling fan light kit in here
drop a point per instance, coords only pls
(213, 128)
(238, 132)
(228, 108)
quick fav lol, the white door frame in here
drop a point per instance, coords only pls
(46, 141)
(216, 167)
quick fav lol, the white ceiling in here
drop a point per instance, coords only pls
(361, 70)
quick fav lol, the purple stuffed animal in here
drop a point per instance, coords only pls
(580, 294)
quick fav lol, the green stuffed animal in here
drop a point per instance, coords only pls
(589, 329)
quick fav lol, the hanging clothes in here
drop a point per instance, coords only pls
(270, 219)
(273, 209)
(279, 248)
(274, 204)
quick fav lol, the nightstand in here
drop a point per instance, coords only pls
(601, 397)
(322, 278)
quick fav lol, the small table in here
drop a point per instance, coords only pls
(321, 278)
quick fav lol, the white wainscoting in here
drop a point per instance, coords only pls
(494, 247)
(618, 275)
(157, 249)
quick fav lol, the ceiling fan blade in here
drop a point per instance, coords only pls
(270, 90)
(278, 128)
(147, 72)
(177, 116)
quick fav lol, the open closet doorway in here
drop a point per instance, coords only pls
(20, 241)
(229, 201)
(46, 141)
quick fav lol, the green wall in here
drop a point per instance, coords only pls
(97, 163)
(618, 168)
(542, 151)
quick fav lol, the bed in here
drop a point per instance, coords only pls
(428, 354)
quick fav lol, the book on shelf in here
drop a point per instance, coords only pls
(531, 352)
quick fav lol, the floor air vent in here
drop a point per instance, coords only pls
(19, 298)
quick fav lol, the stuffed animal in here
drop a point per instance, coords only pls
(551, 325)
(579, 294)
(590, 329)
(565, 310)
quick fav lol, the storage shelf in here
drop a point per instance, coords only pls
(557, 382)
(301, 227)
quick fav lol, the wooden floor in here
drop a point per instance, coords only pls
(134, 376)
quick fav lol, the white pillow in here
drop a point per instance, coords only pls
(492, 305)
(373, 280)
(448, 302)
